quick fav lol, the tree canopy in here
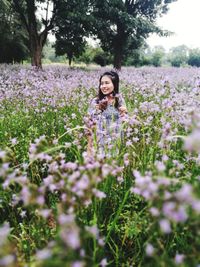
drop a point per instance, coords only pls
(123, 26)
(72, 27)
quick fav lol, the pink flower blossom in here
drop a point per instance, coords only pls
(103, 262)
(154, 211)
(70, 235)
(179, 258)
(93, 230)
(4, 232)
(43, 254)
(149, 249)
(165, 226)
(99, 194)
(44, 213)
(7, 260)
(66, 219)
(78, 264)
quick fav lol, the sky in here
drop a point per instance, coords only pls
(183, 18)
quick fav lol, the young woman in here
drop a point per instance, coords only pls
(106, 112)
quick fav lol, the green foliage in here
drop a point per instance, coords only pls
(102, 58)
(13, 39)
(95, 55)
(178, 56)
(146, 56)
(49, 55)
(72, 27)
(88, 55)
(194, 57)
(157, 56)
(139, 57)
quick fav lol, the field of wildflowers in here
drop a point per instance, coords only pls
(60, 207)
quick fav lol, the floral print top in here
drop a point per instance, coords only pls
(108, 124)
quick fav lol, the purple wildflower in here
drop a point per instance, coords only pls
(165, 226)
(149, 249)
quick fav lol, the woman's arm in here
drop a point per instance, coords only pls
(122, 106)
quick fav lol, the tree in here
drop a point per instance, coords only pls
(37, 29)
(194, 57)
(72, 27)
(101, 57)
(49, 55)
(88, 55)
(123, 25)
(13, 38)
(178, 55)
(139, 57)
(157, 55)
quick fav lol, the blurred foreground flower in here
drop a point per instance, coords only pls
(179, 258)
(4, 232)
(192, 141)
(165, 226)
(43, 254)
(7, 260)
(149, 249)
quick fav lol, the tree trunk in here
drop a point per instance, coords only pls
(119, 44)
(36, 39)
(36, 56)
(70, 56)
(37, 42)
(117, 59)
(70, 61)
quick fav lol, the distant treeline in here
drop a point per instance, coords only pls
(178, 56)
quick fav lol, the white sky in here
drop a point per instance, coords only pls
(183, 18)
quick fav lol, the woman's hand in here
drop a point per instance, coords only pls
(122, 110)
(102, 104)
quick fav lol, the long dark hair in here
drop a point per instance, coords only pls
(115, 80)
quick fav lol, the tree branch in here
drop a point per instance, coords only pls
(48, 27)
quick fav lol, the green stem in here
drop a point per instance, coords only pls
(117, 215)
(71, 130)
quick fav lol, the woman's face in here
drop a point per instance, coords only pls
(106, 85)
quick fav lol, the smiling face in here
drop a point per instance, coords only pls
(106, 85)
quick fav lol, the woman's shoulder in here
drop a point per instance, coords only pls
(121, 100)
(120, 96)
